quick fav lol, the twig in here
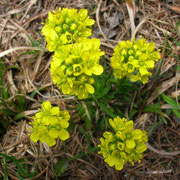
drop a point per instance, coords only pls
(97, 20)
(86, 110)
(137, 28)
(20, 48)
(175, 153)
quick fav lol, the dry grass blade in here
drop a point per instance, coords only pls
(162, 88)
(20, 48)
(138, 28)
(97, 19)
(38, 62)
(86, 110)
(174, 8)
(28, 8)
(175, 93)
(175, 153)
(15, 11)
(129, 4)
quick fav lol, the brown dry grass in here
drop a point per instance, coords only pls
(153, 19)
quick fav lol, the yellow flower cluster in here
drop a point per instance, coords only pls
(72, 67)
(76, 57)
(66, 26)
(124, 145)
(49, 124)
(134, 59)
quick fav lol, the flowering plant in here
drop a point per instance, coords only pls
(124, 145)
(73, 67)
(66, 26)
(49, 124)
(134, 59)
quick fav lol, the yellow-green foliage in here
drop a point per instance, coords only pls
(65, 26)
(49, 124)
(73, 67)
(134, 59)
(124, 145)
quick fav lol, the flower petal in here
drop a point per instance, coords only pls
(64, 124)
(53, 133)
(63, 134)
(55, 111)
(137, 134)
(130, 143)
(66, 89)
(97, 69)
(119, 165)
(34, 137)
(89, 88)
(46, 106)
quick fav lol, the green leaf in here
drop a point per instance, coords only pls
(176, 112)
(105, 91)
(88, 124)
(101, 124)
(4, 91)
(154, 126)
(134, 111)
(2, 68)
(163, 118)
(153, 108)
(61, 166)
(87, 137)
(5, 94)
(178, 31)
(5, 169)
(170, 101)
(19, 166)
(104, 108)
(8, 112)
(20, 106)
(19, 116)
(34, 43)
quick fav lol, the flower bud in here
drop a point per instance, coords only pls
(91, 80)
(69, 71)
(68, 61)
(65, 27)
(73, 27)
(58, 29)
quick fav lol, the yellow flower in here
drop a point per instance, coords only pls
(124, 145)
(134, 59)
(73, 67)
(49, 124)
(66, 26)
